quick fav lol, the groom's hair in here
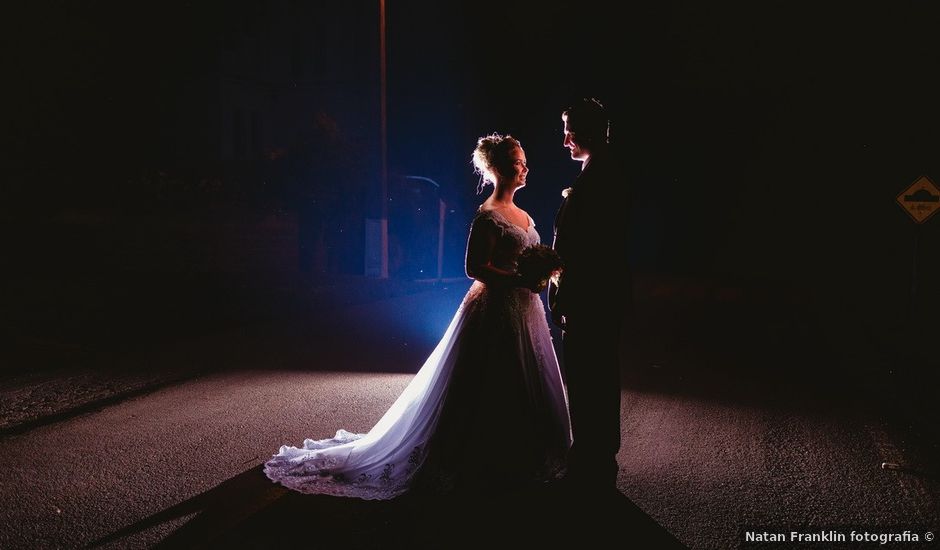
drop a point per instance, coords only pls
(587, 118)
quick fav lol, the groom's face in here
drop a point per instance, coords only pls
(571, 142)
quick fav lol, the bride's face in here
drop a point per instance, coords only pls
(518, 168)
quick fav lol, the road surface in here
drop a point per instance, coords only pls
(719, 440)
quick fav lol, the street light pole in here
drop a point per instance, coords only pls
(383, 216)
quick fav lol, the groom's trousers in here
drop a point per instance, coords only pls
(592, 374)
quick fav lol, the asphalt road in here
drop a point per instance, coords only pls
(725, 431)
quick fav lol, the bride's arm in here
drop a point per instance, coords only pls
(479, 261)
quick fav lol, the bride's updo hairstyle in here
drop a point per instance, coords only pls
(492, 158)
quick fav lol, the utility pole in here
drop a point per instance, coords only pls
(383, 217)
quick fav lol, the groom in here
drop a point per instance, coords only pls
(589, 301)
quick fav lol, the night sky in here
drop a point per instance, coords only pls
(766, 140)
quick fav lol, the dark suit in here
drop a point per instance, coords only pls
(593, 294)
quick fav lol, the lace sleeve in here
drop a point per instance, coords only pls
(481, 259)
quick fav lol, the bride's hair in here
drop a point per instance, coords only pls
(492, 157)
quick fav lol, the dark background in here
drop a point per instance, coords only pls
(156, 146)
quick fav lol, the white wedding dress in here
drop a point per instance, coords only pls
(488, 407)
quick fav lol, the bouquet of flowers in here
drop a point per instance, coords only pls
(538, 264)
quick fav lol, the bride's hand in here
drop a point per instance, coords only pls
(536, 286)
(530, 282)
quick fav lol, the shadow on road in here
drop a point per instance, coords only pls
(215, 511)
(248, 511)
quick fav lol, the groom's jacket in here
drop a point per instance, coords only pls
(591, 238)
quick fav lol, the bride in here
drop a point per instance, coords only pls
(488, 403)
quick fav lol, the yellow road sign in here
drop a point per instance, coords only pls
(921, 199)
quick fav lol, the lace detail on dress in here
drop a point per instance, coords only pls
(506, 223)
(322, 473)
(511, 238)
